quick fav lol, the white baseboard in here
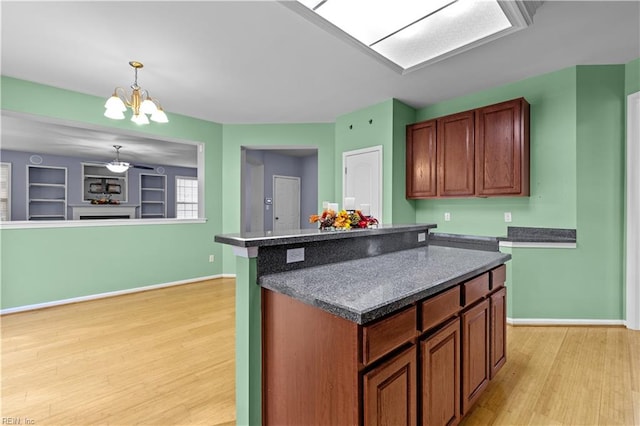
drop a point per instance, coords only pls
(105, 295)
(549, 321)
(228, 275)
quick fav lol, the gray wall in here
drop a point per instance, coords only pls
(20, 160)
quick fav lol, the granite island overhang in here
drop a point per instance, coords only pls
(329, 270)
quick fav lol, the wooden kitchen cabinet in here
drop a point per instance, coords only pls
(502, 149)
(428, 362)
(421, 160)
(475, 353)
(390, 392)
(498, 342)
(482, 152)
(455, 146)
(440, 363)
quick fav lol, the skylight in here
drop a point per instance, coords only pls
(413, 33)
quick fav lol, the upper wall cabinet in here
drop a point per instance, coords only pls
(482, 152)
(502, 149)
(421, 160)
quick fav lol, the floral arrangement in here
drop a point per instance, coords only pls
(343, 219)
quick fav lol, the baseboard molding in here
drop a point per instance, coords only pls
(565, 322)
(105, 295)
(228, 275)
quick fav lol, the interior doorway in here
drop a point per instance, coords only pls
(258, 166)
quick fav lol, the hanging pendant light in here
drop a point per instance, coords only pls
(139, 101)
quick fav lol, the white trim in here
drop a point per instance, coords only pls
(518, 244)
(633, 212)
(104, 295)
(248, 252)
(566, 322)
(25, 224)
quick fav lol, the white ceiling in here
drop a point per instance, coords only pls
(261, 62)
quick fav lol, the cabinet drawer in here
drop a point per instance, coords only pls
(475, 289)
(387, 334)
(498, 277)
(440, 307)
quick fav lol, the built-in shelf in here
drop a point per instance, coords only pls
(46, 193)
(153, 196)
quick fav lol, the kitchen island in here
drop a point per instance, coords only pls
(344, 324)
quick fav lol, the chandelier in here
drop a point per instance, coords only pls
(139, 101)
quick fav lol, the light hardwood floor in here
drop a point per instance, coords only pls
(166, 357)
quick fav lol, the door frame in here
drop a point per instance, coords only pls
(633, 213)
(275, 201)
(377, 149)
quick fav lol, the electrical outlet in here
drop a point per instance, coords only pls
(447, 216)
(295, 255)
(212, 258)
(422, 236)
(507, 217)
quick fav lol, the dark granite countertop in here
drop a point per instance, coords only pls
(363, 290)
(539, 235)
(297, 236)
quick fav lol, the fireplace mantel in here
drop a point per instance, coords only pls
(103, 211)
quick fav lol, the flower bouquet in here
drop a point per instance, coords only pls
(343, 219)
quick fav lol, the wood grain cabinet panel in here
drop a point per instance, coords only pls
(475, 289)
(421, 160)
(388, 334)
(498, 342)
(456, 155)
(440, 362)
(502, 149)
(390, 392)
(439, 308)
(475, 353)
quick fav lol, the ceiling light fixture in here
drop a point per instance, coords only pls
(139, 101)
(409, 34)
(117, 166)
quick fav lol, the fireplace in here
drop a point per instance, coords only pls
(95, 212)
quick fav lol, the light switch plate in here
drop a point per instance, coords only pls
(422, 237)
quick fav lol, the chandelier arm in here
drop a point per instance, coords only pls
(122, 94)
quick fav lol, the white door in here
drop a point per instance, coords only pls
(286, 203)
(363, 178)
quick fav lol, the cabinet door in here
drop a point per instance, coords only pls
(440, 361)
(390, 392)
(475, 353)
(456, 155)
(421, 160)
(502, 149)
(498, 330)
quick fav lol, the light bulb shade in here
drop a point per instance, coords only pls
(148, 107)
(114, 114)
(118, 166)
(140, 119)
(159, 116)
(115, 103)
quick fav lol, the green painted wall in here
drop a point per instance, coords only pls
(236, 136)
(387, 128)
(552, 203)
(577, 169)
(403, 210)
(44, 265)
(632, 77)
